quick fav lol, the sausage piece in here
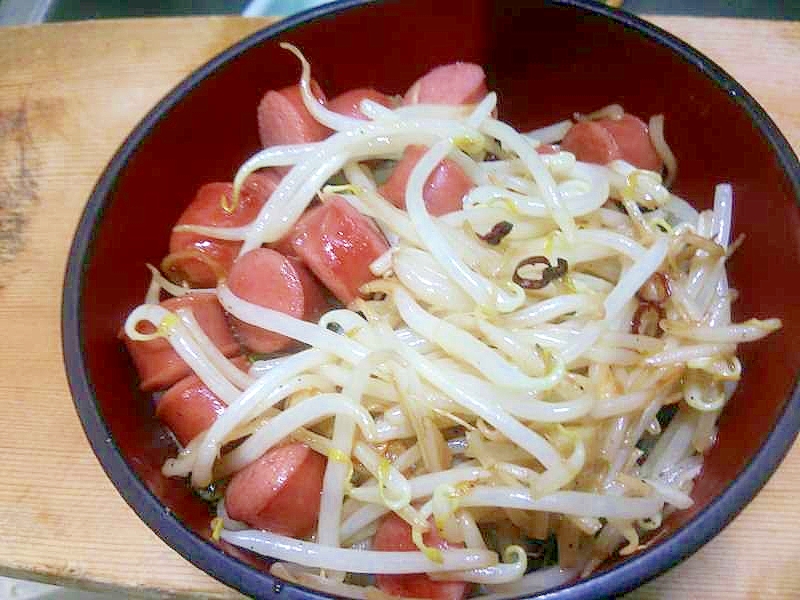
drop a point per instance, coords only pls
(348, 102)
(633, 141)
(590, 142)
(267, 278)
(338, 244)
(284, 119)
(188, 408)
(443, 191)
(456, 83)
(605, 140)
(546, 149)
(279, 492)
(207, 209)
(394, 534)
(159, 366)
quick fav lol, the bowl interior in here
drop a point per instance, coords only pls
(545, 62)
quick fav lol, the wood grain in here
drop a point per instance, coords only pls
(69, 94)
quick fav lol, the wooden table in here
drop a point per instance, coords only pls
(69, 94)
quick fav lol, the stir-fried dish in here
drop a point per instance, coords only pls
(410, 350)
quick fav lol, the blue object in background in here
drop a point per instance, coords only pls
(257, 8)
(763, 9)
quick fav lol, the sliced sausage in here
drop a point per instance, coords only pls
(633, 141)
(259, 186)
(590, 142)
(443, 191)
(279, 492)
(394, 534)
(159, 366)
(348, 102)
(338, 244)
(188, 408)
(547, 149)
(456, 83)
(284, 119)
(605, 140)
(267, 278)
(200, 260)
(285, 246)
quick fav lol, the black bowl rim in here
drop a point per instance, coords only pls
(620, 579)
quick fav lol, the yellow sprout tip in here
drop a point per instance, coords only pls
(338, 456)
(168, 324)
(467, 144)
(216, 528)
(229, 206)
(432, 554)
(663, 225)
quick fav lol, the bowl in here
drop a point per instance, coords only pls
(546, 60)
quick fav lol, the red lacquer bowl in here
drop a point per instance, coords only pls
(546, 60)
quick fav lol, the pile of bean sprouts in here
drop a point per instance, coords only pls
(507, 372)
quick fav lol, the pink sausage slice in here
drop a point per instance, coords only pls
(279, 492)
(590, 142)
(546, 149)
(633, 140)
(456, 83)
(207, 209)
(338, 244)
(443, 191)
(159, 366)
(188, 408)
(259, 186)
(605, 140)
(394, 534)
(285, 246)
(348, 102)
(284, 119)
(267, 278)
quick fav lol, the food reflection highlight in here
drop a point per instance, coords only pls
(462, 360)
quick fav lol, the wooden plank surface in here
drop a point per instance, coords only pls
(69, 94)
